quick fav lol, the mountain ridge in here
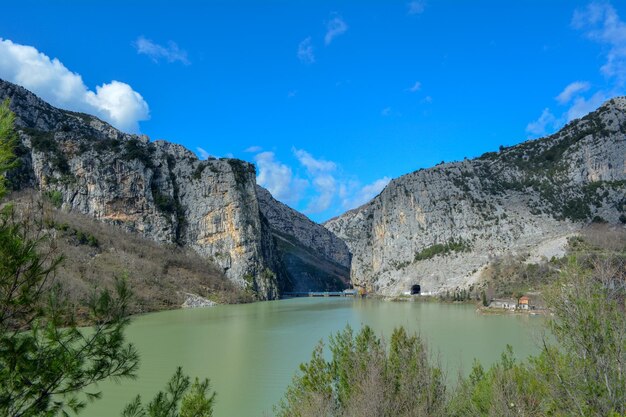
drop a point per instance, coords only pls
(157, 189)
(330, 269)
(438, 227)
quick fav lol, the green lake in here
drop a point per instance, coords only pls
(250, 352)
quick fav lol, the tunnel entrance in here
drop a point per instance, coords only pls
(416, 289)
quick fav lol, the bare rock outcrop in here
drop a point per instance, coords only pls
(157, 189)
(437, 227)
(315, 259)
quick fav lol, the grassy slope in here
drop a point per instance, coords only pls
(94, 253)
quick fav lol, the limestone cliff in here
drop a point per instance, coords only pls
(157, 189)
(437, 227)
(315, 259)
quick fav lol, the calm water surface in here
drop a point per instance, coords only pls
(250, 352)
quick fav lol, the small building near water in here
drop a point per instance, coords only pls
(504, 303)
(524, 303)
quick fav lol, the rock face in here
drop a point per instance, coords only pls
(195, 301)
(157, 189)
(437, 227)
(315, 259)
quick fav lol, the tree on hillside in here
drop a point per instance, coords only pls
(45, 360)
(7, 143)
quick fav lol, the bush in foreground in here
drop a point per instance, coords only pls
(582, 374)
(367, 377)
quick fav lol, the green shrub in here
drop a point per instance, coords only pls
(44, 142)
(92, 241)
(81, 237)
(576, 209)
(442, 249)
(41, 141)
(55, 197)
(197, 173)
(102, 145)
(164, 202)
(180, 399)
(240, 169)
(135, 150)
(366, 376)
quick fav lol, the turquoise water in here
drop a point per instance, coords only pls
(250, 352)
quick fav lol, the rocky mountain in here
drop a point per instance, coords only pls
(162, 191)
(313, 256)
(438, 227)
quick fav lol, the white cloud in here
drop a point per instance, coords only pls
(313, 166)
(326, 187)
(322, 187)
(572, 90)
(278, 178)
(578, 107)
(335, 27)
(386, 111)
(416, 7)
(202, 153)
(170, 53)
(602, 24)
(330, 187)
(415, 87)
(324, 182)
(305, 51)
(543, 124)
(253, 149)
(581, 106)
(116, 102)
(355, 196)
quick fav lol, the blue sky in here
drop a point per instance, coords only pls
(330, 99)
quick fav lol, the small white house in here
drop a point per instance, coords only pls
(504, 303)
